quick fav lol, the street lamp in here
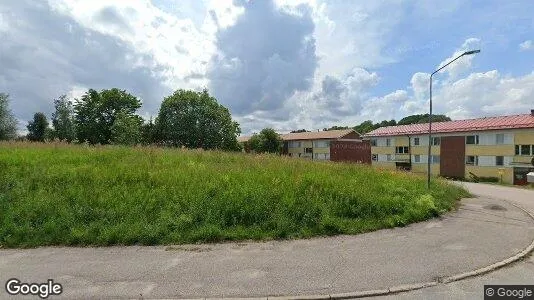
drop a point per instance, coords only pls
(430, 115)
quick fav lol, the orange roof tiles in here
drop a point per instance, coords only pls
(488, 123)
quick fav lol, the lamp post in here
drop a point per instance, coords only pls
(430, 114)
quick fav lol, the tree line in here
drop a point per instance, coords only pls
(186, 118)
(368, 126)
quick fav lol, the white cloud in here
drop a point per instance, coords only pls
(526, 45)
(487, 94)
(386, 107)
(463, 64)
(169, 40)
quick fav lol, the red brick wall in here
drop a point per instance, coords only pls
(452, 160)
(352, 151)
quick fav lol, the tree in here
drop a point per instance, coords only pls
(63, 119)
(267, 141)
(37, 128)
(386, 123)
(300, 130)
(195, 120)
(8, 123)
(149, 133)
(418, 119)
(96, 112)
(336, 128)
(126, 130)
(365, 127)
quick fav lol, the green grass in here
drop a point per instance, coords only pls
(55, 194)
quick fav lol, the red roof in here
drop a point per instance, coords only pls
(313, 135)
(488, 123)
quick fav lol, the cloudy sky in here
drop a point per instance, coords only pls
(286, 64)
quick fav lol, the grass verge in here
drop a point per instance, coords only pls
(55, 194)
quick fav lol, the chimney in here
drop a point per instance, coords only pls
(532, 112)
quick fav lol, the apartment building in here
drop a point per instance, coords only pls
(334, 145)
(501, 147)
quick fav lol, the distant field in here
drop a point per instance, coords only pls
(53, 194)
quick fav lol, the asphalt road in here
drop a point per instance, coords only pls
(518, 273)
(483, 231)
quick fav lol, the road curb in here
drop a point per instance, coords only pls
(416, 286)
(499, 264)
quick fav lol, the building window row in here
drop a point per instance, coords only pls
(294, 144)
(472, 140)
(321, 144)
(471, 160)
(524, 149)
(474, 160)
(382, 142)
(402, 150)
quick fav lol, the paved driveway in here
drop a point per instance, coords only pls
(521, 272)
(483, 231)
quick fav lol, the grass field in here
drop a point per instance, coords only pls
(54, 194)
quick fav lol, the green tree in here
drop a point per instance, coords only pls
(195, 120)
(8, 123)
(149, 133)
(126, 130)
(63, 119)
(37, 128)
(336, 128)
(365, 127)
(418, 119)
(299, 130)
(96, 112)
(267, 141)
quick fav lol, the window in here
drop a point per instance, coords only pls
(401, 150)
(373, 142)
(417, 158)
(499, 139)
(525, 150)
(388, 157)
(321, 144)
(416, 141)
(388, 142)
(308, 150)
(327, 156)
(316, 155)
(435, 159)
(294, 144)
(374, 157)
(499, 160)
(471, 160)
(471, 140)
(436, 141)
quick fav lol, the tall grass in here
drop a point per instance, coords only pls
(55, 194)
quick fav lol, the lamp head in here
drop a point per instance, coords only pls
(471, 52)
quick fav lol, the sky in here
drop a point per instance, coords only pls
(285, 64)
